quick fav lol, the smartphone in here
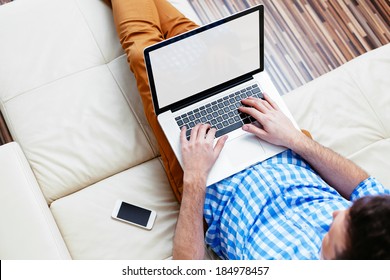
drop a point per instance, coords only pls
(134, 214)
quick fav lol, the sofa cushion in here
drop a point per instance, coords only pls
(76, 131)
(85, 222)
(46, 40)
(98, 17)
(126, 82)
(347, 110)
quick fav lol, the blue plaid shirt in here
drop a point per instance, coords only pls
(277, 209)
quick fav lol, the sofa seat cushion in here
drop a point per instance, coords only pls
(348, 111)
(84, 218)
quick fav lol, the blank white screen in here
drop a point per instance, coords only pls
(207, 59)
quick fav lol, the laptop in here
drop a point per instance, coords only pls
(201, 76)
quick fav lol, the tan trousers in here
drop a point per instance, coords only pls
(141, 23)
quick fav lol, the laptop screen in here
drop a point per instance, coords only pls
(204, 60)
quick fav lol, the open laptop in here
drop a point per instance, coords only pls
(202, 75)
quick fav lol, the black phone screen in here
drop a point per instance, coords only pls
(134, 214)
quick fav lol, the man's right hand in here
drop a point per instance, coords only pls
(199, 153)
(276, 128)
(199, 156)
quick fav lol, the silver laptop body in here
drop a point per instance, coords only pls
(201, 76)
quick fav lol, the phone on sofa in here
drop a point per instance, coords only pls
(133, 214)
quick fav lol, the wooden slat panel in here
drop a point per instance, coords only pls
(308, 38)
(5, 136)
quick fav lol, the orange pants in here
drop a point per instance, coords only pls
(141, 23)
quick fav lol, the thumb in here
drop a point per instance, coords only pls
(219, 146)
(254, 130)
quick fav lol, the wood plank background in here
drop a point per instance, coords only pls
(307, 38)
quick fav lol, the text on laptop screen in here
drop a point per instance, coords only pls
(208, 59)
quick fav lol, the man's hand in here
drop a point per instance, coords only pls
(199, 154)
(276, 126)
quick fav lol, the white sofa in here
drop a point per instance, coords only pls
(81, 140)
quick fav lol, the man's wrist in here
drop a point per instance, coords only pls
(194, 176)
(194, 190)
(194, 180)
(298, 142)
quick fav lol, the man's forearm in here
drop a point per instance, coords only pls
(199, 155)
(339, 172)
(189, 235)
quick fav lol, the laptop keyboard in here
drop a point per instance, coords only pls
(222, 114)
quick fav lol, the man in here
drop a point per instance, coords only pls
(285, 213)
(278, 209)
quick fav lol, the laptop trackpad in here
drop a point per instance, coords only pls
(246, 149)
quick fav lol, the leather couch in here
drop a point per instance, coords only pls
(81, 140)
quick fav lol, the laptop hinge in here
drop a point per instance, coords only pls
(211, 93)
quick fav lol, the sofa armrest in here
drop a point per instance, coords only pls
(28, 229)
